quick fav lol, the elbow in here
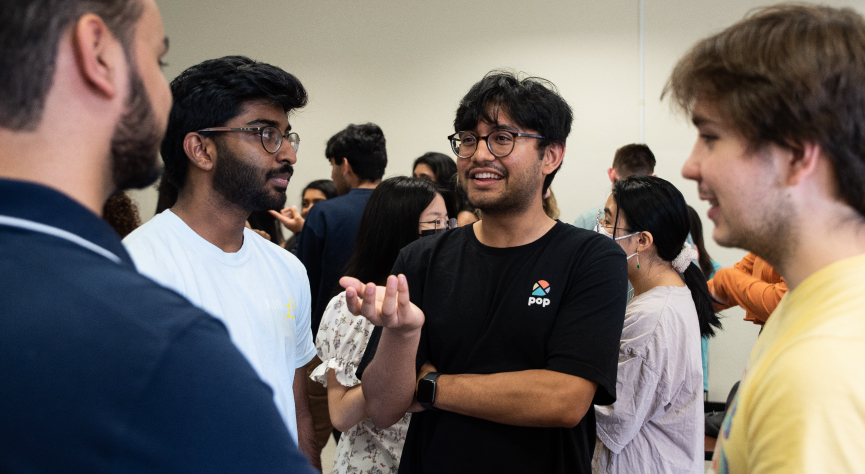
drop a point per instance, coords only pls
(570, 414)
(382, 416)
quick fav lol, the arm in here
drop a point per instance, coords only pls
(535, 398)
(752, 294)
(346, 405)
(289, 217)
(305, 431)
(389, 381)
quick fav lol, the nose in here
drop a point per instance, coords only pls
(286, 153)
(691, 168)
(482, 152)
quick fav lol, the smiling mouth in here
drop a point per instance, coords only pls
(486, 176)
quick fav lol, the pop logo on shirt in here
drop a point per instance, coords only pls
(290, 307)
(541, 289)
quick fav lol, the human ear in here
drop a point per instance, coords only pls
(98, 55)
(200, 151)
(553, 156)
(645, 240)
(803, 162)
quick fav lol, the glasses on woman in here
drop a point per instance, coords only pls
(271, 137)
(438, 226)
(500, 143)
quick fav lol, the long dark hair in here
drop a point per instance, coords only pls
(654, 205)
(389, 223)
(697, 234)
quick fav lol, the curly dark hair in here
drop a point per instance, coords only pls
(364, 148)
(121, 213)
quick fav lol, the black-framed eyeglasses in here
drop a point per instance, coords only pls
(500, 143)
(271, 137)
(441, 224)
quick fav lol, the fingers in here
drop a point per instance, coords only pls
(353, 287)
(368, 308)
(281, 218)
(404, 300)
(389, 304)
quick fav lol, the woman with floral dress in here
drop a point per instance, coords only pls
(399, 211)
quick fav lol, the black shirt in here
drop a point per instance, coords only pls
(106, 371)
(557, 303)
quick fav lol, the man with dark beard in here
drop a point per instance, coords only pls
(229, 151)
(104, 370)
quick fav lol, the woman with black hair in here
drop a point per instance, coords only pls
(399, 211)
(656, 423)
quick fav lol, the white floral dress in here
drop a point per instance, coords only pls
(340, 343)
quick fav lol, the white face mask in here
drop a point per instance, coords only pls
(603, 231)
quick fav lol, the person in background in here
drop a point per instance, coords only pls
(358, 157)
(121, 213)
(708, 267)
(778, 101)
(635, 159)
(314, 193)
(229, 151)
(103, 369)
(656, 423)
(551, 208)
(400, 211)
(441, 169)
(752, 284)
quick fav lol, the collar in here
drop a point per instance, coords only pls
(41, 209)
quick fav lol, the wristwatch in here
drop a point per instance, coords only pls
(426, 390)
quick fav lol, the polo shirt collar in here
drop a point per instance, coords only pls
(41, 209)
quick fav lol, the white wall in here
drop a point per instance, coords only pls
(405, 64)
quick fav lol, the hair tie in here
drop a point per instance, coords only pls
(681, 262)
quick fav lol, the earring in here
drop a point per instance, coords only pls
(638, 259)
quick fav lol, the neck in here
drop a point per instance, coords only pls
(368, 184)
(513, 229)
(652, 275)
(838, 234)
(212, 217)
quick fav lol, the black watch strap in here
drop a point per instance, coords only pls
(426, 390)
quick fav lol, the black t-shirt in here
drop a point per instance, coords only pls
(557, 303)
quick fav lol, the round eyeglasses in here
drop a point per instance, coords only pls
(271, 137)
(500, 143)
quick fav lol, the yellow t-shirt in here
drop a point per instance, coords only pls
(801, 403)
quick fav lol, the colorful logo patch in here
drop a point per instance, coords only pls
(541, 288)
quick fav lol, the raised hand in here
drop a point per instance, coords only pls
(388, 306)
(290, 218)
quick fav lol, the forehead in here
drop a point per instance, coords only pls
(312, 194)
(149, 26)
(262, 110)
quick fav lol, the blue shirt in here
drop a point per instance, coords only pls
(106, 371)
(326, 243)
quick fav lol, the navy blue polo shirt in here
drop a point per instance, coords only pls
(103, 370)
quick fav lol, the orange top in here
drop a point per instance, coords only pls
(752, 284)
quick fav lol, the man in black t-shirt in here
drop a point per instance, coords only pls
(513, 324)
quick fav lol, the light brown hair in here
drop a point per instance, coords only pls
(787, 74)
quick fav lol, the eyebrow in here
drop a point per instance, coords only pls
(268, 123)
(700, 120)
(165, 45)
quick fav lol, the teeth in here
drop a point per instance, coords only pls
(487, 176)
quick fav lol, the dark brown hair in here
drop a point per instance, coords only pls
(122, 214)
(30, 32)
(634, 159)
(785, 75)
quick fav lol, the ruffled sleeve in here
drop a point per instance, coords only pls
(340, 343)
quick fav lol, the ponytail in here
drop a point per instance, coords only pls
(702, 300)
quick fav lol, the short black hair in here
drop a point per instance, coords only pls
(364, 148)
(30, 32)
(213, 92)
(326, 187)
(531, 102)
(635, 159)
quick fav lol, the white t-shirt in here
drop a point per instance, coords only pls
(657, 423)
(261, 293)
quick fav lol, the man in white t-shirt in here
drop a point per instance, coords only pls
(229, 151)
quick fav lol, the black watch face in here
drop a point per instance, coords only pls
(425, 390)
